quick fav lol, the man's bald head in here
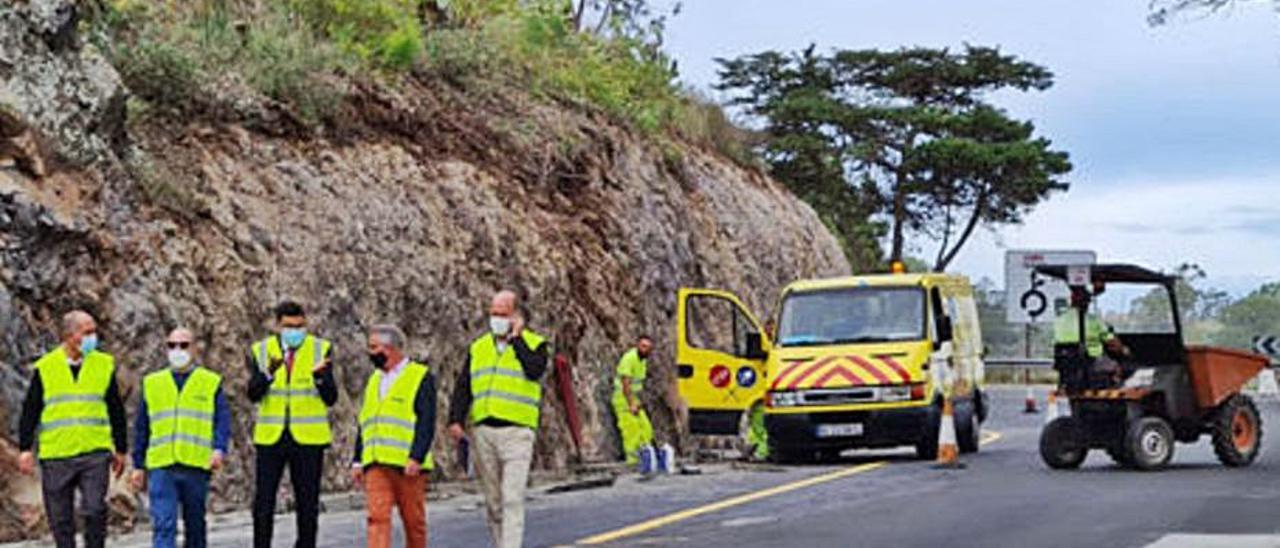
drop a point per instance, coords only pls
(73, 321)
(76, 325)
(503, 304)
(182, 334)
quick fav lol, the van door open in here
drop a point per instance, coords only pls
(720, 357)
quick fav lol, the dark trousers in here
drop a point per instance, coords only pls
(171, 488)
(59, 480)
(305, 464)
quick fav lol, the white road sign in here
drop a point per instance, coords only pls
(1028, 303)
(1267, 345)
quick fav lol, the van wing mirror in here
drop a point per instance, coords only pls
(755, 347)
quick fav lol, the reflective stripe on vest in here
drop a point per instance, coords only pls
(499, 388)
(181, 422)
(387, 424)
(293, 399)
(74, 420)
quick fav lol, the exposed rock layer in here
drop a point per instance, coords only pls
(427, 200)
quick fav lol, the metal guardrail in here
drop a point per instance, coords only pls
(1018, 363)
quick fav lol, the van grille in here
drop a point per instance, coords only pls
(839, 396)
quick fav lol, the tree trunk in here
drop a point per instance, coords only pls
(899, 218)
(964, 236)
(946, 239)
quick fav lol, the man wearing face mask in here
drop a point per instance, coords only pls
(74, 418)
(393, 439)
(180, 438)
(628, 382)
(500, 391)
(291, 380)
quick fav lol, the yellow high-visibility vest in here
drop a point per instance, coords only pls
(181, 421)
(387, 424)
(1066, 330)
(499, 388)
(293, 399)
(634, 367)
(74, 420)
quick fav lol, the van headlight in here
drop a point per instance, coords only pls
(895, 393)
(784, 399)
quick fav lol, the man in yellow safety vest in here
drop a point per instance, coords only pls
(633, 423)
(74, 418)
(292, 382)
(1100, 343)
(500, 392)
(180, 437)
(393, 439)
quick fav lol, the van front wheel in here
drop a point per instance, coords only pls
(927, 445)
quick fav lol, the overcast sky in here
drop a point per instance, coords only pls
(1174, 131)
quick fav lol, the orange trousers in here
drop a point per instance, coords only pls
(386, 487)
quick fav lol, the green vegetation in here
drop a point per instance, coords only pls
(1211, 316)
(906, 135)
(179, 58)
(603, 56)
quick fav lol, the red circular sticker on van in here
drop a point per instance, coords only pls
(720, 376)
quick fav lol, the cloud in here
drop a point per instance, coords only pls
(1214, 223)
(1172, 130)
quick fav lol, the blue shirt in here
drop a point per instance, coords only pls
(142, 425)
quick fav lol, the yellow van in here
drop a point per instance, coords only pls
(855, 362)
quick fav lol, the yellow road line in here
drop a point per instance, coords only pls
(728, 503)
(645, 526)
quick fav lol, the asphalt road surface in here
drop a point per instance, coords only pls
(1005, 497)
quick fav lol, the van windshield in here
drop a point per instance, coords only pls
(852, 315)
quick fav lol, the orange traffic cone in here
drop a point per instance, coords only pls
(1030, 402)
(1052, 407)
(948, 452)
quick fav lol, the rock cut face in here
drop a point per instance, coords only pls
(414, 216)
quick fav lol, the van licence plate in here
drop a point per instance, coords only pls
(839, 430)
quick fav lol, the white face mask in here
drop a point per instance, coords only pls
(179, 358)
(499, 326)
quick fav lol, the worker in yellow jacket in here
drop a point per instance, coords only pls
(291, 381)
(394, 431)
(628, 383)
(73, 422)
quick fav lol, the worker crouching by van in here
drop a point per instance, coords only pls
(634, 426)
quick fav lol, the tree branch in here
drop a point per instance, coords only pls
(578, 14)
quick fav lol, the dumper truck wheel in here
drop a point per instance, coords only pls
(1148, 442)
(1062, 444)
(1237, 431)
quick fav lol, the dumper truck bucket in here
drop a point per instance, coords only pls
(1218, 373)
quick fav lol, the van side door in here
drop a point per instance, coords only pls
(720, 357)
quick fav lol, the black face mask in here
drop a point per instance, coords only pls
(378, 360)
(643, 355)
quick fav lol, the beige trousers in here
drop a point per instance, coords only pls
(502, 458)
